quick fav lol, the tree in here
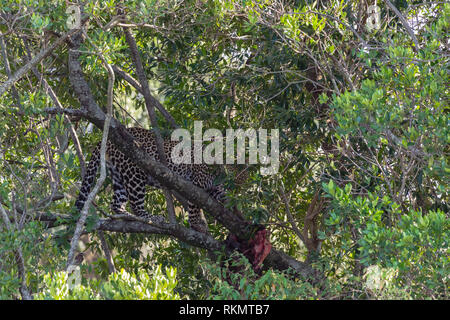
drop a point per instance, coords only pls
(362, 115)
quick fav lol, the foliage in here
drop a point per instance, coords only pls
(245, 284)
(364, 133)
(397, 121)
(40, 254)
(410, 248)
(118, 286)
(388, 213)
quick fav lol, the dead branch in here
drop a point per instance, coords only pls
(404, 23)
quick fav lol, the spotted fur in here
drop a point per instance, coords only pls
(129, 181)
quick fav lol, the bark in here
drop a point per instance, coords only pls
(134, 225)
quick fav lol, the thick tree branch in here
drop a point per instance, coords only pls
(68, 111)
(132, 224)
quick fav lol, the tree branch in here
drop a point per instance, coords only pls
(8, 72)
(133, 224)
(68, 111)
(59, 107)
(107, 252)
(290, 216)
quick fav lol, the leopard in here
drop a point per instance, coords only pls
(129, 181)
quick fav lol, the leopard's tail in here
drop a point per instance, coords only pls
(89, 177)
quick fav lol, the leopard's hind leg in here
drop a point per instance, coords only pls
(120, 196)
